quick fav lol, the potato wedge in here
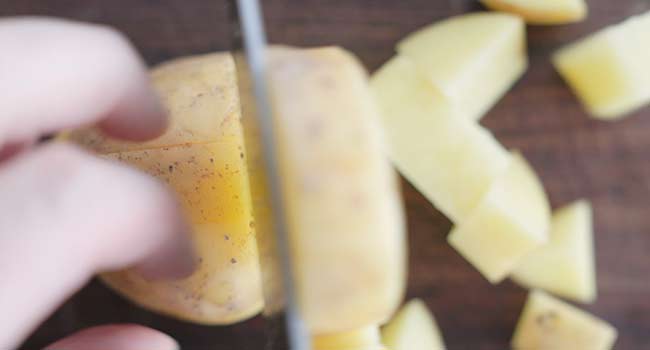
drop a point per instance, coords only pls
(566, 264)
(450, 159)
(511, 221)
(542, 11)
(471, 59)
(547, 323)
(413, 328)
(608, 70)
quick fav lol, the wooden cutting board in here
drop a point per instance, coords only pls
(609, 163)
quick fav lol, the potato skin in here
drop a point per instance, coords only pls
(202, 158)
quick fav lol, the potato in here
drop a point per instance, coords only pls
(201, 157)
(450, 159)
(566, 264)
(366, 338)
(470, 59)
(413, 328)
(344, 209)
(542, 11)
(608, 70)
(511, 221)
(547, 323)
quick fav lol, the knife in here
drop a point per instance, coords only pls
(250, 54)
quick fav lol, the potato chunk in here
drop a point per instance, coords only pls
(510, 222)
(609, 70)
(542, 11)
(550, 324)
(470, 59)
(451, 160)
(413, 328)
(566, 264)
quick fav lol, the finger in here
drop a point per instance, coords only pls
(116, 337)
(59, 74)
(65, 216)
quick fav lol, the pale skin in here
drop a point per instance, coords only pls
(65, 214)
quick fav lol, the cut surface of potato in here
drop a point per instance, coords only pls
(547, 323)
(366, 338)
(450, 159)
(608, 70)
(510, 222)
(471, 59)
(413, 328)
(542, 11)
(201, 157)
(345, 217)
(565, 264)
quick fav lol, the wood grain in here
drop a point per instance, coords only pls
(609, 163)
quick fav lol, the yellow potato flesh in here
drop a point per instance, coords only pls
(550, 324)
(366, 338)
(510, 222)
(344, 212)
(471, 59)
(608, 70)
(413, 328)
(542, 11)
(566, 264)
(450, 159)
(201, 157)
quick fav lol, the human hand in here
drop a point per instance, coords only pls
(64, 214)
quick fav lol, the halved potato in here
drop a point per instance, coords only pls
(565, 265)
(343, 202)
(201, 157)
(450, 159)
(609, 70)
(547, 323)
(542, 11)
(413, 328)
(470, 59)
(511, 221)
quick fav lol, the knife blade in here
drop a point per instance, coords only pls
(250, 54)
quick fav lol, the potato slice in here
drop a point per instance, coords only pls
(200, 94)
(542, 11)
(366, 338)
(550, 324)
(608, 70)
(566, 264)
(413, 328)
(510, 222)
(451, 160)
(202, 158)
(343, 203)
(471, 59)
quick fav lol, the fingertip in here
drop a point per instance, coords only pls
(143, 118)
(123, 337)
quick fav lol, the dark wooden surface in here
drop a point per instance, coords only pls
(609, 163)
